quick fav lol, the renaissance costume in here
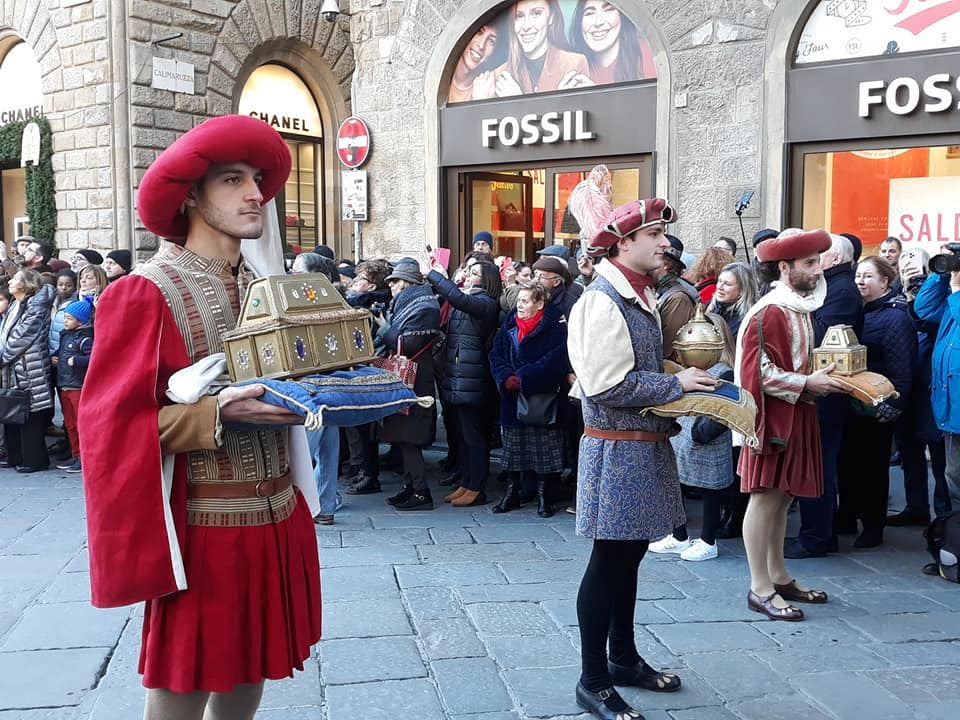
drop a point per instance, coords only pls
(201, 522)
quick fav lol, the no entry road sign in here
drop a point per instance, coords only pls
(353, 142)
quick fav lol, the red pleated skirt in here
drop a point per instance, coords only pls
(251, 611)
(798, 470)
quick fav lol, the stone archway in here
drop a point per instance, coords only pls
(31, 22)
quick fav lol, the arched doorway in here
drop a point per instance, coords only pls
(21, 100)
(871, 125)
(278, 96)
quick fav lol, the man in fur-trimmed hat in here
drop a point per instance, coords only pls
(628, 491)
(774, 362)
(200, 521)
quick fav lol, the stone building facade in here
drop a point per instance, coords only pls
(721, 126)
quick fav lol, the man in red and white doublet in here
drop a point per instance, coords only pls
(774, 363)
(199, 521)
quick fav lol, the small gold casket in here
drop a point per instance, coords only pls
(294, 325)
(841, 347)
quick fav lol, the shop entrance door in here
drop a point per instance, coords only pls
(502, 204)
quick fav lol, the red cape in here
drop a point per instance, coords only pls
(134, 536)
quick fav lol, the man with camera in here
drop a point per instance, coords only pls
(938, 300)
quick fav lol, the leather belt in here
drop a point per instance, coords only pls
(227, 490)
(626, 435)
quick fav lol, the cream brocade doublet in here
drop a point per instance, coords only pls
(204, 297)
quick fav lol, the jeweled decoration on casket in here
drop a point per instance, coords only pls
(300, 348)
(841, 347)
(698, 343)
(296, 325)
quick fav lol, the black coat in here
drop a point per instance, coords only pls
(891, 340)
(843, 304)
(76, 344)
(415, 337)
(539, 360)
(470, 328)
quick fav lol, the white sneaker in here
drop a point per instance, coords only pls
(699, 550)
(668, 545)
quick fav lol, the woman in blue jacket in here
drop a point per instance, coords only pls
(530, 356)
(467, 385)
(864, 462)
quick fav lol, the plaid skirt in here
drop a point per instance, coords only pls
(526, 447)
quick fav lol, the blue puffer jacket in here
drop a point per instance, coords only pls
(470, 328)
(936, 303)
(891, 340)
(540, 360)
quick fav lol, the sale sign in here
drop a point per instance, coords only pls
(924, 210)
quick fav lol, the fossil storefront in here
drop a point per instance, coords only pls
(878, 151)
(536, 94)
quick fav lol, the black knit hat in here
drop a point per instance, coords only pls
(123, 258)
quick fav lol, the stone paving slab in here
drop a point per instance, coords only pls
(366, 556)
(694, 693)
(450, 638)
(390, 700)
(380, 538)
(733, 676)
(780, 706)
(63, 713)
(812, 633)
(545, 694)
(432, 603)
(685, 638)
(487, 716)
(566, 550)
(852, 696)
(703, 713)
(938, 711)
(365, 618)
(710, 609)
(68, 587)
(511, 618)
(914, 687)
(471, 685)
(519, 592)
(80, 562)
(451, 536)
(447, 574)
(302, 690)
(547, 651)
(344, 662)
(919, 654)
(66, 625)
(886, 602)
(514, 533)
(491, 552)
(543, 571)
(904, 628)
(814, 658)
(27, 680)
(358, 583)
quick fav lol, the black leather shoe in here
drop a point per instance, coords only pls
(908, 518)
(405, 492)
(510, 500)
(869, 538)
(366, 486)
(643, 676)
(416, 502)
(27, 469)
(595, 703)
(794, 549)
(543, 507)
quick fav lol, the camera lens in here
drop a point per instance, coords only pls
(944, 264)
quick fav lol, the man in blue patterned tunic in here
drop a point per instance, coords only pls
(628, 490)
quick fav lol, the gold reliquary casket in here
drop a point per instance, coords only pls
(292, 325)
(841, 347)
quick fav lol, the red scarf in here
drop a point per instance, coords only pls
(528, 325)
(638, 281)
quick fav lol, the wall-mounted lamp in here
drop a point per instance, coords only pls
(330, 10)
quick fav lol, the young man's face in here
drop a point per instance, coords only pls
(112, 268)
(70, 322)
(891, 253)
(643, 250)
(802, 274)
(32, 256)
(228, 200)
(65, 287)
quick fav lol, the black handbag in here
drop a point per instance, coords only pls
(538, 409)
(14, 406)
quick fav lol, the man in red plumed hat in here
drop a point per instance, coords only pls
(628, 491)
(200, 521)
(774, 362)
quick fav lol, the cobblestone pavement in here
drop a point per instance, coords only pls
(458, 613)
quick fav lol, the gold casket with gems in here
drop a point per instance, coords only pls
(292, 325)
(841, 347)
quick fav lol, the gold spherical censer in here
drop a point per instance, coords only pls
(698, 343)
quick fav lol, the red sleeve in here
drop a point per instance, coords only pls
(132, 546)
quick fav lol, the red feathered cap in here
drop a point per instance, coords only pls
(231, 138)
(629, 218)
(792, 244)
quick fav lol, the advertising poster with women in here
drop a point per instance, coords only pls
(845, 29)
(536, 46)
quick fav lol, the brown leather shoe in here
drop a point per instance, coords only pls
(790, 591)
(470, 498)
(454, 495)
(765, 606)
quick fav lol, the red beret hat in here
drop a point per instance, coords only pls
(227, 139)
(792, 244)
(629, 218)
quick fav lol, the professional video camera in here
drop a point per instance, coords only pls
(946, 263)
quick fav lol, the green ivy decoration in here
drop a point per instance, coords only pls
(40, 191)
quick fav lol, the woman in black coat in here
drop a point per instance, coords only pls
(413, 327)
(467, 385)
(864, 462)
(530, 356)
